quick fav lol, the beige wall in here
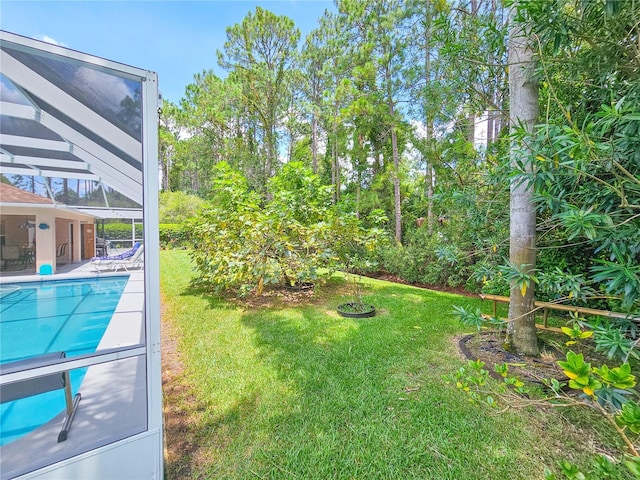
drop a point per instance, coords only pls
(13, 235)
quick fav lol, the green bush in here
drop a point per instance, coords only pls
(119, 234)
(429, 259)
(497, 285)
(174, 235)
(397, 260)
(242, 243)
(177, 207)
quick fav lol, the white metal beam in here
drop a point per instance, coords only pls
(10, 109)
(22, 75)
(50, 50)
(123, 213)
(42, 162)
(43, 172)
(117, 173)
(40, 143)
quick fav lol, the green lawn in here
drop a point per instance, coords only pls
(295, 391)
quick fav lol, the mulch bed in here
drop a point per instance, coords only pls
(488, 346)
(390, 277)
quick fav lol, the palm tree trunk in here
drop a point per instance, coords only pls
(523, 91)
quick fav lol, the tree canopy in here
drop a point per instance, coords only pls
(403, 108)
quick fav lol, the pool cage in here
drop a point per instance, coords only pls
(78, 148)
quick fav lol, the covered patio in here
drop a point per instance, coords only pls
(70, 152)
(37, 235)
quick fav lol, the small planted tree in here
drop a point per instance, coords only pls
(356, 248)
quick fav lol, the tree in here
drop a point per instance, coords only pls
(243, 244)
(379, 48)
(330, 60)
(523, 94)
(260, 53)
(167, 139)
(313, 58)
(587, 178)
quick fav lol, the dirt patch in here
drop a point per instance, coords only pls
(278, 296)
(178, 406)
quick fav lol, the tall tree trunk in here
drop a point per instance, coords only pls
(335, 161)
(396, 160)
(471, 129)
(490, 126)
(65, 190)
(428, 124)
(358, 189)
(269, 161)
(335, 166)
(430, 178)
(396, 182)
(291, 128)
(474, 7)
(523, 92)
(314, 142)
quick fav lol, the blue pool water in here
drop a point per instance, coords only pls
(53, 316)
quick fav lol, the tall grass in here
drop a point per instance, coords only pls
(295, 391)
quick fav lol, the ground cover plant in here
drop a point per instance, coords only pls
(287, 389)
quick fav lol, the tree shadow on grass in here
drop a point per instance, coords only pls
(351, 398)
(214, 301)
(357, 385)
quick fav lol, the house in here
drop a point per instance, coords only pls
(45, 233)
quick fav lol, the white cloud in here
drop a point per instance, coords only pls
(9, 93)
(53, 41)
(106, 88)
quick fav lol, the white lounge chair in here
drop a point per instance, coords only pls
(133, 258)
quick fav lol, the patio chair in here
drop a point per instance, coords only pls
(47, 383)
(61, 249)
(10, 255)
(133, 258)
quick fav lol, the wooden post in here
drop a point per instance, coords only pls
(546, 315)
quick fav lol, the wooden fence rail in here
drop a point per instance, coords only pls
(546, 306)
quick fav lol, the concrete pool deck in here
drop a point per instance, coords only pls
(114, 396)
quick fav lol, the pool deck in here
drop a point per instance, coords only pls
(114, 395)
(28, 273)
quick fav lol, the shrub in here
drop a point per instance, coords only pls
(173, 235)
(119, 234)
(427, 259)
(241, 244)
(177, 207)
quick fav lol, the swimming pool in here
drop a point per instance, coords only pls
(51, 316)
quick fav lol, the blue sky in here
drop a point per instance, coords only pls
(176, 39)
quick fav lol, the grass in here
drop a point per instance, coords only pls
(295, 391)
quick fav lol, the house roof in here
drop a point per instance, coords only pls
(11, 194)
